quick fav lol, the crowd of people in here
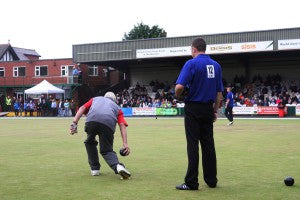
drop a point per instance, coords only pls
(270, 90)
(265, 91)
(156, 94)
(44, 107)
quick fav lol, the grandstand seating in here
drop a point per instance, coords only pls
(262, 91)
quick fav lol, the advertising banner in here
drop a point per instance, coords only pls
(288, 44)
(163, 52)
(298, 110)
(244, 110)
(127, 112)
(239, 47)
(166, 111)
(143, 111)
(267, 110)
(210, 49)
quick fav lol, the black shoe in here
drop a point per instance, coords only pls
(185, 187)
(212, 185)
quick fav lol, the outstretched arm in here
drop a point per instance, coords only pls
(78, 115)
(73, 128)
(124, 138)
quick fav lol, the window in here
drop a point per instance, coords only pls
(93, 70)
(65, 70)
(19, 71)
(41, 70)
(2, 72)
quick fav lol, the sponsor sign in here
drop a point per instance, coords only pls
(288, 44)
(239, 47)
(127, 112)
(298, 110)
(143, 111)
(166, 111)
(210, 49)
(163, 52)
(267, 110)
(244, 110)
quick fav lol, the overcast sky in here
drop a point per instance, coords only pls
(51, 27)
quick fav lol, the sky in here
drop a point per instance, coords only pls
(51, 27)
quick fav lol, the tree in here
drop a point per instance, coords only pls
(143, 31)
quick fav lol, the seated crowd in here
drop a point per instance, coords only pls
(261, 91)
(266, 91)
(156, 94)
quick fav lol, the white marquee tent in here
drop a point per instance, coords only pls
(44, 87)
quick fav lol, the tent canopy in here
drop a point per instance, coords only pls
(44, 87)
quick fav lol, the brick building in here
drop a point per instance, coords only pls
(21, 69)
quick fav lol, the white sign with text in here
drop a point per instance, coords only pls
(210, 49)
(288, 44)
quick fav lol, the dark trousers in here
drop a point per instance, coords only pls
(106, 139)
(198, 123)
(73, 111)
(228, 113)
(54, 112)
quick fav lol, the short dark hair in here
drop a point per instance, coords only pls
(199, 44)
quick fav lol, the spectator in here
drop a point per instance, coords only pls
(174, 103)
(75, 71)
(21, 106)
(75, 74)
(8, 103)
(26, 108)
(79, 74)
(67, 108)
(31, 106)
(60, 108)
(73, 107)
(157, 103)
(39, 109)
(44, 107)
(53, 108)
(16, 108)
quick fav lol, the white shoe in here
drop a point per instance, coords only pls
(230, 123)
(123, 172)
(95, 172)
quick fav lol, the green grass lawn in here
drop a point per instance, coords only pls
(40, 160)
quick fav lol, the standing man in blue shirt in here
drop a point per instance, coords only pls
(201, 76)
(229, 106)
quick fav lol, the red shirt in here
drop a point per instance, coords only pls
(121, 119)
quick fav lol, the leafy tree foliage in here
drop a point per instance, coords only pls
(143, 31)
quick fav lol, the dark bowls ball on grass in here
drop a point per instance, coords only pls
(122, 152)
(289, 181)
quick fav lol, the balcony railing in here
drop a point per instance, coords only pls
(20, 81)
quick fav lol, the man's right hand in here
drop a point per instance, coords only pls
(73, 128)
(126, 150)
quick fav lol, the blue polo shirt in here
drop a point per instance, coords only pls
(202, 76)
(230, 97)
